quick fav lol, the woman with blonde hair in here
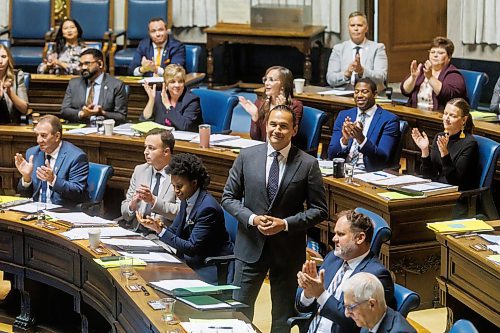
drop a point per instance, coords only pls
(13, 94)
(175, 105)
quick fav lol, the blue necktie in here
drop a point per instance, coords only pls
(44, 185)
(274, 177)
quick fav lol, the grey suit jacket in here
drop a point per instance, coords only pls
(373, 60)
(245, 194)
(112, 98)
(166, 204)
(495, 98)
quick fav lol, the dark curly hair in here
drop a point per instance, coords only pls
(359, 223)
(189, 166)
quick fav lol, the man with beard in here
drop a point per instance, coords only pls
(366, 135)
(55, 171)
(95, 93)
(157, 51)
(322, 293)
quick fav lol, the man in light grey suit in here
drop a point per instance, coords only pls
(95, 93)
(150, 191)
(357, 57)
(266, 191)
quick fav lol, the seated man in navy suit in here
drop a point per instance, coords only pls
(198, 230)
(55, 171)
(322, 293)
(157, 51)
(366, 135)
(365, 303)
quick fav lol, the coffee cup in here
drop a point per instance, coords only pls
(204, 130)
(299, 85)
(94, 238)
(109, 124)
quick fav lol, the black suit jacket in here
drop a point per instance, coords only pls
(334, 309)
(245, 194)
(393, 322)
(112, 98)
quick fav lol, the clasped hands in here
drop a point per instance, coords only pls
(91, 110)
(5, 87)
(44, 172)
(142, 193)
(268, 225)
(352, 130)
(148, 66)
(354, 66)
(310, 281)
(147, 221)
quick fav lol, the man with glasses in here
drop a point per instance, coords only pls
(364, 302)
(95, 93)
(322, 292)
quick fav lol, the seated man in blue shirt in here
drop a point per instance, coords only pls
(366, 135)
(157, 51)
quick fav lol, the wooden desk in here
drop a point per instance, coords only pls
(245, 34)
(35, 257)
(428, 121)
(46, 93)
(468, 281)
(412, 254)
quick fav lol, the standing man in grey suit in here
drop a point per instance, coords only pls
(150, 191)
(266, 190)
(357, 57)
(95, 93)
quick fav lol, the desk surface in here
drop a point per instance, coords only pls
(81, 278)
(468, 280)
(246, 29)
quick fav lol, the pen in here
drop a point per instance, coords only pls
(146, 293)
(220, 327)
(379, 174)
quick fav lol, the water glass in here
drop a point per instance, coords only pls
(126, 267)
(348, 172)
(167, 314)
(40, 213)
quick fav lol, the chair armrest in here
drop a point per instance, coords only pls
(226, 131)
(50, 35)
(118, 33)
(470, 193)
(219, 260)
(300, 320)
(90, 208)
(4, 30)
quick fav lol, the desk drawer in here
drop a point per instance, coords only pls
(52, 259)
(11, 246)
(98, 285)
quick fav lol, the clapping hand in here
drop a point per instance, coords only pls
(45, 173)
(428, 69)
(147, 65)
(24, 167)
(310, 281)
(421, 140)
(150, 223)
(249, 107)
(442, 143)
(164, 97)
(415, 69)
(150, 90)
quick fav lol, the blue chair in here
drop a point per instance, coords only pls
(96, 19)
(99, 175)
(309, 133)
(381, 230)
(216, 109)
(225, 264)
(474, 83)
(193, 53)
(136, 28)
(403, 128)
(406, 300)
(28, 40)
(27, 79)
(489, 151)
(5, 42)
(463, 326)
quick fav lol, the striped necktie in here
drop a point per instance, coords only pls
(337, 280)
(354, 153)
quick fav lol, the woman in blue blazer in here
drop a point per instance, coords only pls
(174, 105)
(198, 230)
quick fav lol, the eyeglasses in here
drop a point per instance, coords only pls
(270, 79)
(86, 63)
(350, 308)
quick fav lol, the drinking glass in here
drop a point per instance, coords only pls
(348, 172)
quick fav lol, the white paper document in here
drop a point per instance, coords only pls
(130, 242)
(179, 283)
(401, 180)
(184, 135)
(337, 92)
(31, 207)
(374, 176)
(79, 218)
(217, 325)
(495, 239)
(152, 256)
(238, 143)
(216, 138)
(495, 248)
(153, 79)
(84, 130)
(124, 129)
(83, 233)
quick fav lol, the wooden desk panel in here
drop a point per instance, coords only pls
(469, 281)
(245, 34)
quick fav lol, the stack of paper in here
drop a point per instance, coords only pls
(80, 220)
(495, 239)
(152, 256)
(495, 258)
(455, 226)
(370, 177)
(184, 135)
(217, 325)
(337, 92)
(32, 207)
(124, 129)
(147, 126)
(238, 143)
(400, 180)
(9, 201)
(432, 188)
(82, 130)
(83, 233)
(116, 263)
(216, 138)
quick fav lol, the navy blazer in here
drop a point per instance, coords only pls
(185, 116)
(333, 308)
(203, 234)
(71, 169)
(383, 137)
(173, 53)
(393, 322)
